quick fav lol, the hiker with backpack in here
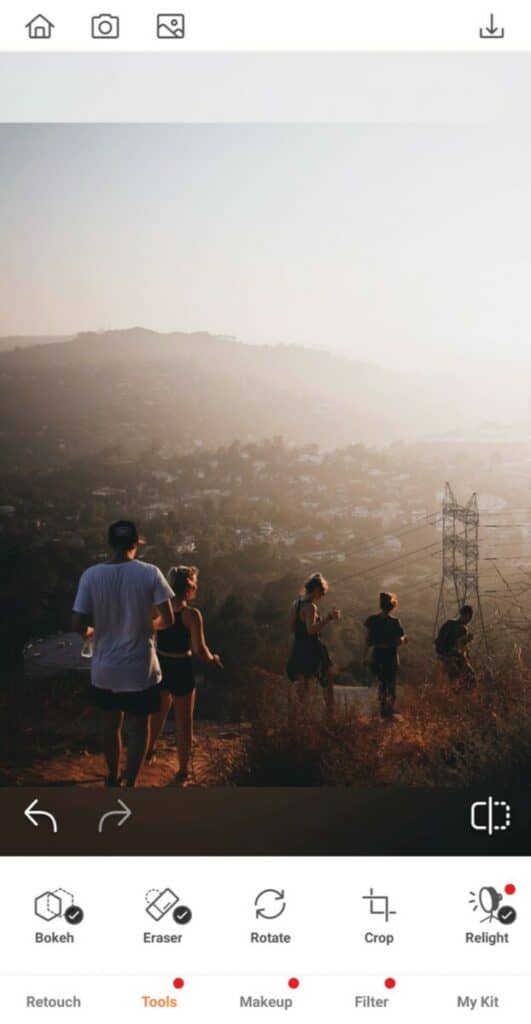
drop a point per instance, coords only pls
(451, 647)
(384, 636)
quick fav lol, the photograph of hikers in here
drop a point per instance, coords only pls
(265, 440)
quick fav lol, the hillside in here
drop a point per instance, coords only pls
(135, 386)
(18, 341)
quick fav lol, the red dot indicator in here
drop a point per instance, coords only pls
(389, 982)
(178, 982)
(293, 982)
(510, 890)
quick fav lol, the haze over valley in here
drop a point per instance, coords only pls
(135, 386)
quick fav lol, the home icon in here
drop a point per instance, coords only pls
(40, 27)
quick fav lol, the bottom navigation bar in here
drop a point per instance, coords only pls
(198, 998)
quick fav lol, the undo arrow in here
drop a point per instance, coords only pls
(31, 814)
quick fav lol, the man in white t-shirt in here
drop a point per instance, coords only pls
(114, 608)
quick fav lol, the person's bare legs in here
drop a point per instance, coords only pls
(298, 700)
(183, 709)
(328, 694)
(303, 689)
(158, 721)
(293, 701)
(137, 743)
(112, 742)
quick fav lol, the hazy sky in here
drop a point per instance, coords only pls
(398, 245)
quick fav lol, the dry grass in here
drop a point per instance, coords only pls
(441, 738)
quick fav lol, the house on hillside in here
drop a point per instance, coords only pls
(40, 27)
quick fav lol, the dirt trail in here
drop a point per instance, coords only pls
(81, 768)
(215, 748)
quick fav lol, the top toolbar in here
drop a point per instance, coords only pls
(279, 25)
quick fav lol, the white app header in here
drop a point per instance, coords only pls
(279, 25)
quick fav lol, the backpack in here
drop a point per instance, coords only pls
(445, 639)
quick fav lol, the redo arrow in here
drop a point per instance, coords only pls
(31, 814)
(122, 816)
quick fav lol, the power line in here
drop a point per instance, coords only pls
(431, 585)
(504, 511)
(506, 558)
(376, 542)
(384, 565)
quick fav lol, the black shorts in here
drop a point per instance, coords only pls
(177, 675)
(384, 665)
(310, 660)
(136, 702)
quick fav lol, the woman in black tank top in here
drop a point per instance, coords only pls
(309, 658)
(175, 647)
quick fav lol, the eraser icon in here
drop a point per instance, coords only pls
(163, 902)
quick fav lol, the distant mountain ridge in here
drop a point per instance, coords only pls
(216, 388)
(287, 364)
(30, 341)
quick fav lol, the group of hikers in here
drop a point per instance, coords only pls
(384, 636)
(143, 633)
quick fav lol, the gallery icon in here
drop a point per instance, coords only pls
(40, 27)
(379, 905)
(170, 26)
(52, 905)
(105, 26)
(489, 901)
(270, 904)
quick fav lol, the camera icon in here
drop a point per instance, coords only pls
(105, 26)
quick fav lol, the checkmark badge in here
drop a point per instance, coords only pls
(74, 915)
(507, 915)
(182, 915)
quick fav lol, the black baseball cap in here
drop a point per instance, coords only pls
(123, 534)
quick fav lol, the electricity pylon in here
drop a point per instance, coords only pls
(460, 559)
